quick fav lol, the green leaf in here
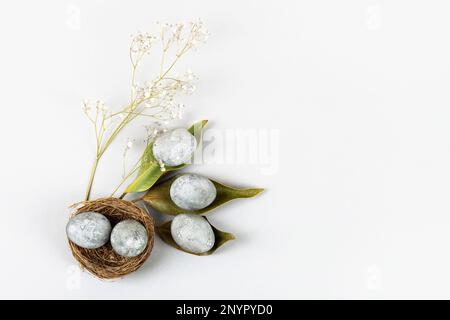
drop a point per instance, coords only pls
(221, 238)
(146, 179)
(150, 170)
(159, 199)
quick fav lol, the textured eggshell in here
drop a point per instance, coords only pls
(89, 230)
(174, 147)
(192, 192)
(129, 238)
(192, 233)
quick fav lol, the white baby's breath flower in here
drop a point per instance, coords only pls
(199, 33)
(86, 106)
(99, 105)
(142, 43)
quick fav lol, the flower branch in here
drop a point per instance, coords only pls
(155, 100)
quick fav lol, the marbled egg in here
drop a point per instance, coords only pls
(129, 238)
(174, 147)
(192, 232)
(192, 192)
(89, 230)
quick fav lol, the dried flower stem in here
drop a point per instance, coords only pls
(155, 99)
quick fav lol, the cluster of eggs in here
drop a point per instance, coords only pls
(191, 231)
(190, 192)
(91, 230)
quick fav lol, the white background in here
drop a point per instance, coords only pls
(358, 91)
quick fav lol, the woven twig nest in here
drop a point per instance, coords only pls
(103, 262)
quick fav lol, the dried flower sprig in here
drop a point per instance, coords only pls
(155, 99)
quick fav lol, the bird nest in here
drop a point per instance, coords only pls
(103, 262)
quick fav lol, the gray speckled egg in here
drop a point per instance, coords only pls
(89, 230)
(174, 147)
(129, 238)
(192, 192)
(192, 233)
